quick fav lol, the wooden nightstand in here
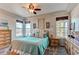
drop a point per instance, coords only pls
(54, 42)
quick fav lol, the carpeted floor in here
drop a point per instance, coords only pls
(56, 51)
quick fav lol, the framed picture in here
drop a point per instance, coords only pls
(34, 25)
(47, 24)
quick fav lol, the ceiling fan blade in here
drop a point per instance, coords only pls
(37, 9)
(34, 12)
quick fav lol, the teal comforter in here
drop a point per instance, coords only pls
(31, 45)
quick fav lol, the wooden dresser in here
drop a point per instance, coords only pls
(5, 41)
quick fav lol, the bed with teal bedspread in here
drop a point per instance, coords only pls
(31, 45)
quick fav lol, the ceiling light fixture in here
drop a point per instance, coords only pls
(32, 7)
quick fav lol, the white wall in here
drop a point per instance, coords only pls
(11, 19)
(75, 17)
(41, 20)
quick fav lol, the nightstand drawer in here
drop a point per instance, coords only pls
(54, 42)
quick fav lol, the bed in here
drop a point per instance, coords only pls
(31, 45)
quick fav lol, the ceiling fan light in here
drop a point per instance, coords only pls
(32, 7)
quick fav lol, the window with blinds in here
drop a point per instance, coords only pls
(19, 28)
(62, 26)
(28, 28)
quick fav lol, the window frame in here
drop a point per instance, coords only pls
(64, 28)
(28, 29)
(18, 21)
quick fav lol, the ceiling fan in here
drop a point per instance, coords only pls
(32, 7)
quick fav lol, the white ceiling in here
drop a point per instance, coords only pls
(46, 8)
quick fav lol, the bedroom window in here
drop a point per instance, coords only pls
(28, 29)
(62, 28)
(19, 28)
